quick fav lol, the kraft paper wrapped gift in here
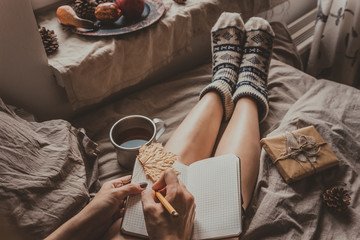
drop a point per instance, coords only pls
(299, 153)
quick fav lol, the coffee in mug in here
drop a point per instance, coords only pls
(130, 133)
(134, 137)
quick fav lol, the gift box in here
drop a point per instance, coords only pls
(299, 153)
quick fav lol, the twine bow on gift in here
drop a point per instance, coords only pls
(301, 148)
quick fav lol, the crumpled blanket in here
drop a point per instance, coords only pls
(296, 210)
(47, 172)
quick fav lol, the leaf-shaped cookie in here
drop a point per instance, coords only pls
(155, 161)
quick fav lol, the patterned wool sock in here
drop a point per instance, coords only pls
(253, 72)
(227, 37)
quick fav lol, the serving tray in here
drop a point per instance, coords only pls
(153, 10)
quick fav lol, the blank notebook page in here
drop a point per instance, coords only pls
(216, 187)
(134, 217)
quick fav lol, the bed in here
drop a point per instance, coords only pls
(277, 210)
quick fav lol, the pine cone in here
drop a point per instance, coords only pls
(49, 40)
(336, 198)
(85, 9)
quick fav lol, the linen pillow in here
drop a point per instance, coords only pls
(47, 171)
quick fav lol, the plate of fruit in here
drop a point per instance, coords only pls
(109, 17)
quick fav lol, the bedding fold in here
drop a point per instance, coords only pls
(296, 211)
(47, 172)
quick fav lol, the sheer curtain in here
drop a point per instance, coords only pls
(335, 51)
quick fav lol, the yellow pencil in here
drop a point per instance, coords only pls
(166, 204)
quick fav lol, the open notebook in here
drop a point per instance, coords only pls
(215, 184)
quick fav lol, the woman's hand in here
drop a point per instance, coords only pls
(96, 218)
(159, 223)
(108, 204)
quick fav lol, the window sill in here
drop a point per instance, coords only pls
(93, 68)
(45, 5)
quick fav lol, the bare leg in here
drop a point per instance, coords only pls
(242, 134)
(194, 139)
(241, 137)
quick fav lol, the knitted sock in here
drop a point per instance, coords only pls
(253, 72)
(227, 37)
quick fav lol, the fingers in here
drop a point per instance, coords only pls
(116, 216)
(167, 178)
(148, 197)
(150, 207)
(121, 212)
(175, 189)
(129, 189)
(191, 219)
(119, 182)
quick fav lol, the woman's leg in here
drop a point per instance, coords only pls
(194, 139)
(241, 137)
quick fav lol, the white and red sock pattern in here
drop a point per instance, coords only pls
(227, 37)
(254, 68)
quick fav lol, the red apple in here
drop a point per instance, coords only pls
(131, 9)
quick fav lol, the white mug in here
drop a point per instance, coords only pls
(130, 133)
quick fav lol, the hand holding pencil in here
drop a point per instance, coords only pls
(166, 204)
(158, 214)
